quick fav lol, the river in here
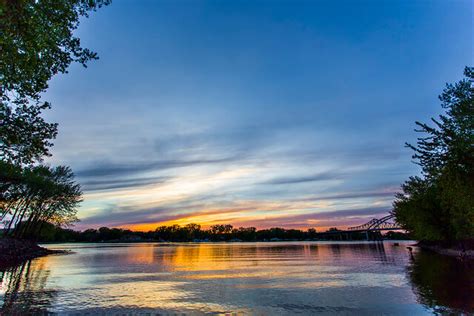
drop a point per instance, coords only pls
(279, 278)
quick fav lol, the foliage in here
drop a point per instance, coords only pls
(37, 195)
(439, 205)
(36, 43)
(397, 235)
(25, 135)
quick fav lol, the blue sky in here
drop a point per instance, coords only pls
(262, 113)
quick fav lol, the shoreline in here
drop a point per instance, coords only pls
(15, 251)
(447, 251)
(115, 241)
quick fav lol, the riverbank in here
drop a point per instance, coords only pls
(462, 250)
(14, 251)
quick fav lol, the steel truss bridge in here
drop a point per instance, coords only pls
(378, 224)
(371, 229)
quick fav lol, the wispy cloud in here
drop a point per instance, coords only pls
(355, 195)
(286, 131)
(102, 169)
(323, 176)
(112, 184)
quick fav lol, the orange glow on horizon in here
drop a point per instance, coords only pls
(145, 227)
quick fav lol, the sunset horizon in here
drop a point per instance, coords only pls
(209, 157)
(266, 123)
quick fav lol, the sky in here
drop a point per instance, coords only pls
(254, 113)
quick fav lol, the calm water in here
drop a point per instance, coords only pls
(242, 278)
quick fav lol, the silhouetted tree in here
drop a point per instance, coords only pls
(36, 43)
(43, 195)
(192, 231)
(312, 233)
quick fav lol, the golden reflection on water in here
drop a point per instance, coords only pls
(257, 278)
(139, 255)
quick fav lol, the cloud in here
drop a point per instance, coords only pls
(110, 184)
(212, 209)
(152, 217)
(118, 216)
(236, 176)
(344, 213)
(228, 106)
(354, 195)
(340, 218)
(126, 169)
(323, 176)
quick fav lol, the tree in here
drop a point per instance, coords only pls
(439, 205)
(192, 231)
(220, 229)
(36, 43)
(43, 195)
(24, 135)
(312, 233)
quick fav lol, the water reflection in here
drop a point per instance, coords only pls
(255, 278)
(23, 290)
(445, 284)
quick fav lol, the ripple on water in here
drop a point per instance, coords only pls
(248, 278)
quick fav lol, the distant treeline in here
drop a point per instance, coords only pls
(194, 232)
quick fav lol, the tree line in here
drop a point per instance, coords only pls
(194, 232)
(36, 43)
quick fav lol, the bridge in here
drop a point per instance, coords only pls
(378, 224)
(371, 229)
